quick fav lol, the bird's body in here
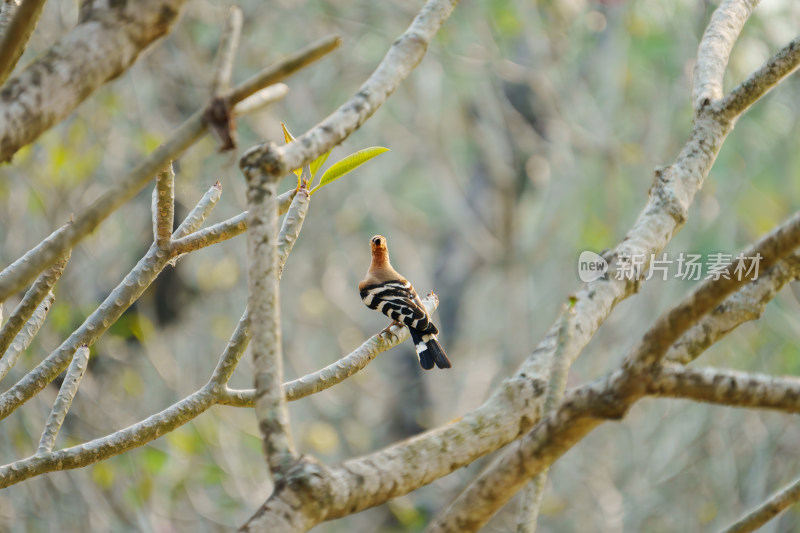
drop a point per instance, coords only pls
(386, 291)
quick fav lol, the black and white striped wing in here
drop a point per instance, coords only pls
(399, 301)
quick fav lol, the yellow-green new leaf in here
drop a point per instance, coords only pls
(318, 162)
(288, 137)
(349, 163)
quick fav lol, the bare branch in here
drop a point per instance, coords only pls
(768, 510)
(96, 51)
(671, 325)
(261, 99)
(140, 433)
(608, 398)
(98, 449)
(24, 337)
(762, 80)
(746, 304)
(264, 307)
(285, 67)
(164, 208)
(532, 495)
(727, 387)
(38, 291)
(226, 54)
(24, 263)
(715, 49)
(64, 399)
(406, 52)
(127, 292)
(230, 357)
(16, 35)
(292, 224)
(224, 230)
(36, 260)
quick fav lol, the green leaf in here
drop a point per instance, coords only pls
(288, 137)
(349, 163)
(316, 164)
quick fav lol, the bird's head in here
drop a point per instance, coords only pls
(378, 244)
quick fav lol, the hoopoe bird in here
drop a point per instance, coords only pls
(385, 290)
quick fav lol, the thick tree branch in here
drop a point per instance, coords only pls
(97, 50)
(264, 307)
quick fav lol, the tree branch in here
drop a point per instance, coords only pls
(163, 208)
(748, 303)
(64, 399)
(96, 51)
(24, 337)
(127, 292)
(768, 510)
(762, 80)
(16, 35)
(715, 48)
(533, 492)
(609, 398)
(226, 54)
(38, 291)
(24, 270)
(264, 308)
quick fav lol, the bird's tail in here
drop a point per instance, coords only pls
(429, 350)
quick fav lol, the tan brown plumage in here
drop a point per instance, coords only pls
(386, 291)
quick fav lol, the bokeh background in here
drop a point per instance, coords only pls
(528, 134)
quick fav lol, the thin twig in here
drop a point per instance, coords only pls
(226, 53)
(534, 491)
(231, 356)
(762, 80)
(225, 230)
(25, 336)
(284, 67)
(38, 291)
(66, 393)
(767, 510)
(261, 99)
(16, 35)
(292, 224)
(163, 208)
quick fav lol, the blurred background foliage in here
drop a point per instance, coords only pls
(528, 134)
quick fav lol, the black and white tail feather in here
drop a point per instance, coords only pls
(398, 300)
